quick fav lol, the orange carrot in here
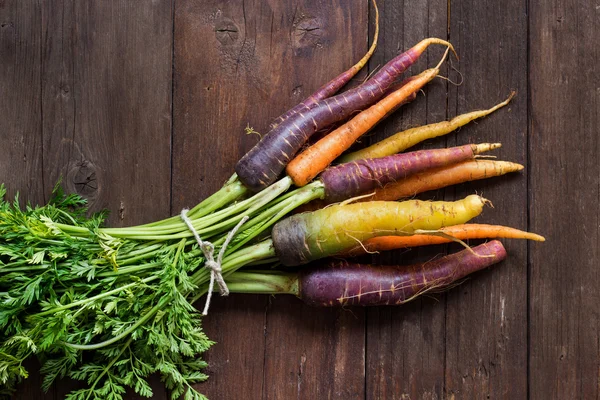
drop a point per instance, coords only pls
(461, 232)
(436, 178)
(316, 158)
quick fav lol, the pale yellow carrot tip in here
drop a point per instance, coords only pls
(363, 61)
(502, 104)
(483, 147)
(510, 97)
(437, 67)
(426, 42)
(536, 237)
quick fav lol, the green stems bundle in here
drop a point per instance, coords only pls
(110, 306)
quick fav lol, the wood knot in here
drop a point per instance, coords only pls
(297, 91)
(83, 180)
(307, 32)
(227, 32)
(64, 91)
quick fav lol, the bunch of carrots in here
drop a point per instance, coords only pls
(110, 306)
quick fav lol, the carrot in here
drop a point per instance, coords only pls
(339, 283)
(343, 182)
(263, 164)
(461, 232)
(360, 177)
(408, 138)
(347, 284)
(305, 237)
(316, 158)
(333, 86)
(436, 178)
(322, 133)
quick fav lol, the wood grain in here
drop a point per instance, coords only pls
(309, 354)
(107, 105)
(21, 163)
(486, 317)
(405, 345)
(563, 200)
(222, 66)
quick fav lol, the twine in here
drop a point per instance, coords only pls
(208, 249)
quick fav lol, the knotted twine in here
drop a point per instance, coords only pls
(208, 249)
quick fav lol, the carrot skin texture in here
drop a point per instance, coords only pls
(462, 232)
(437, 178)
(265, 162)
(360, 177)
(340, 283)
(433, 179)
(317, 157)
(302, 238)
(410, 137)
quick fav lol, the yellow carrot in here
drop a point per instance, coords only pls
(304, 237)
(410, 137)
(444, 176)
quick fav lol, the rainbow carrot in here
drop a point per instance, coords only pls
(264, 163)
(316, 158)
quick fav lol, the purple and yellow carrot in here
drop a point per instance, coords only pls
(302, 238)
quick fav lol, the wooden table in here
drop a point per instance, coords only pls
(141, 107)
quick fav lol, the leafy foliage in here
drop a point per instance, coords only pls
(108, 311)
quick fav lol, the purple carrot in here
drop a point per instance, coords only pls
(333, 86)
(360, 177)
(265, 162)
(341, 283)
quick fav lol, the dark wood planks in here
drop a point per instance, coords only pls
(107, 105)
(100, 86)
(486, 317)
(86, 95)
(21, 123)
(20, 105)
(405, 345)
(564, 197)
(246, 62)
